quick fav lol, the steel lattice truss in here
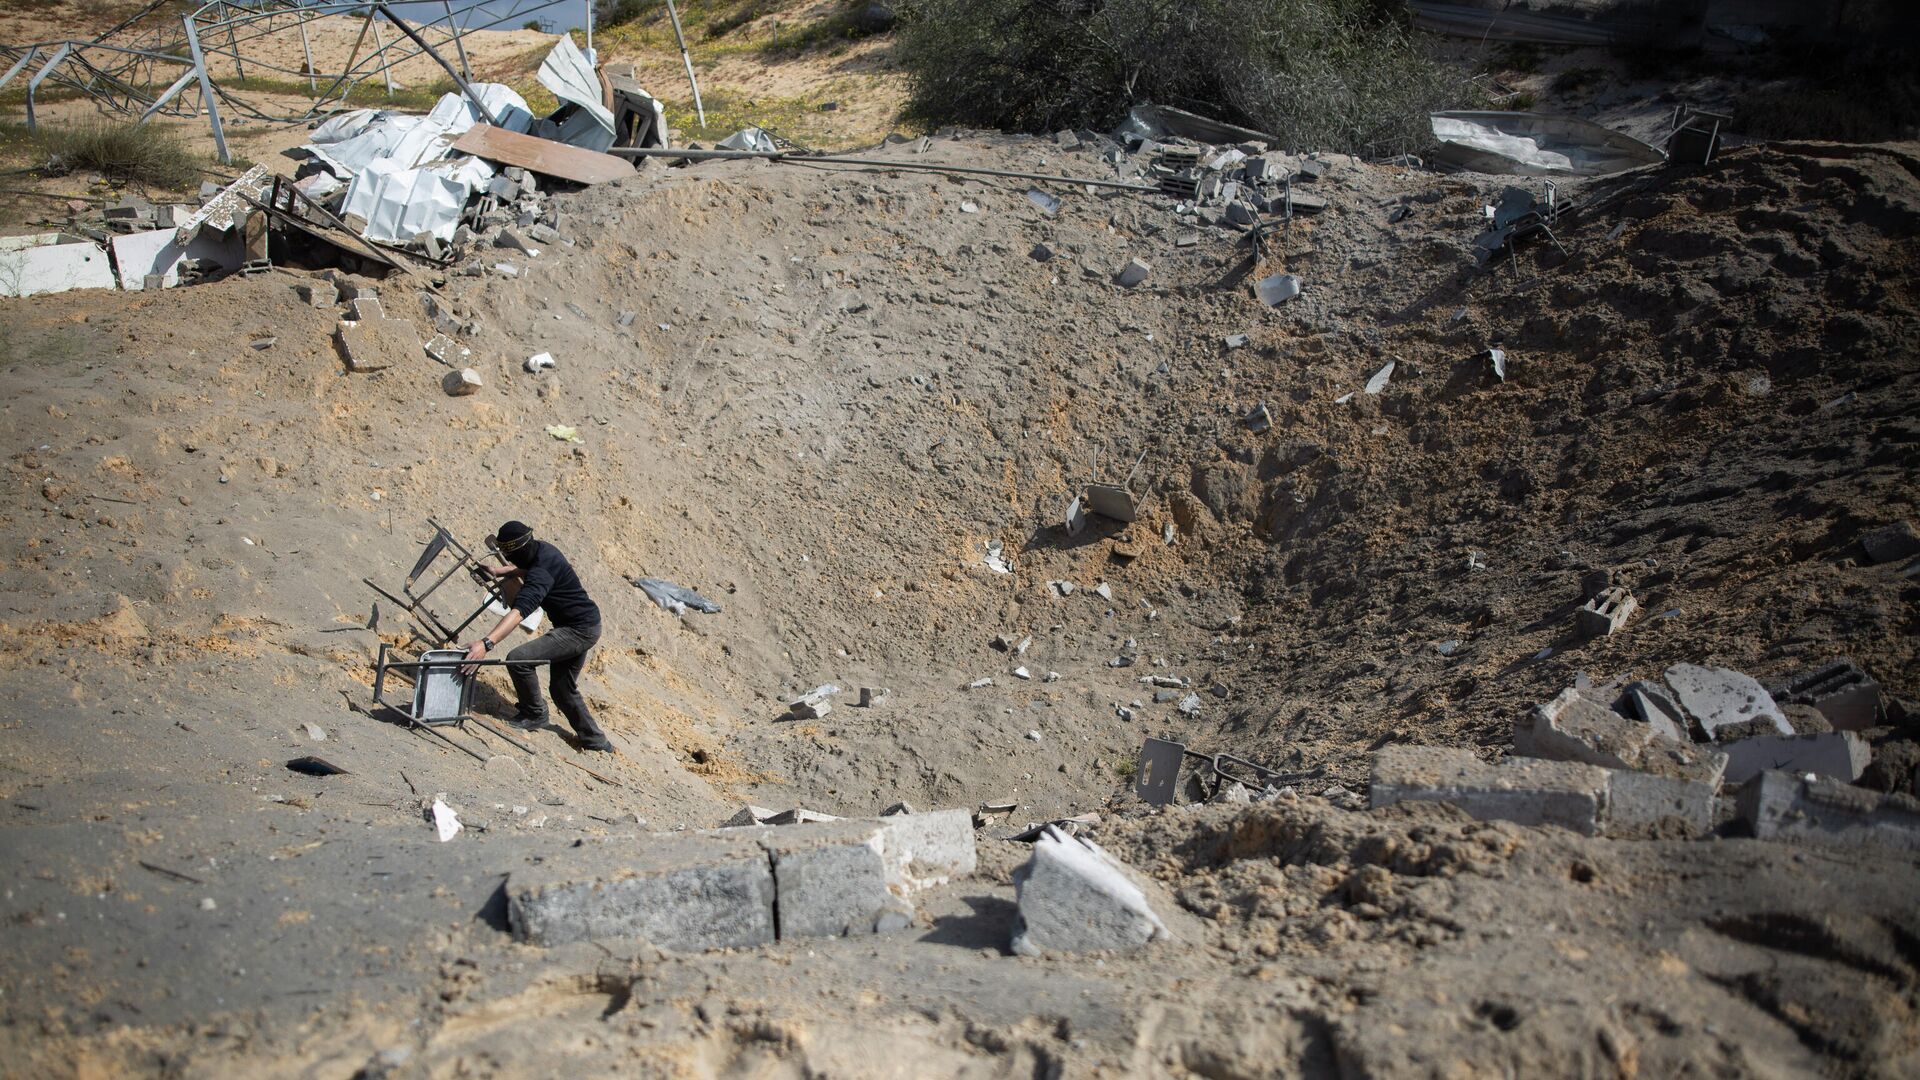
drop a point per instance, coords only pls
(146, 63)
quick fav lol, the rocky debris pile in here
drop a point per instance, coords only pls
(1658, 754)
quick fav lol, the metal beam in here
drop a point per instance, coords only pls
(206, 92)
(25, 59)
(479, 106)
(161, 101)
(687, 58)
(33, 84)
(786, 158)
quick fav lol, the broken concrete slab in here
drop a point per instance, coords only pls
(924, 850)
(1608, 611)
(831, 880)
(1523, 790)
(1277, 289)
(1724, 704)
(813, 704)
(375, 344)
(1846, 695)
(872, 697)
(1840, 755)
(318, 294)
(1781, 806)
(1654, 706)
(748, 814)
(1574, 727)
(682, 894)
(1075, 898)
(1134, 272)
(1637, 801)
(52, 263)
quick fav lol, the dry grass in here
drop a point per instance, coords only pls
(137, 154)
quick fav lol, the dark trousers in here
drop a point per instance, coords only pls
(565, 648)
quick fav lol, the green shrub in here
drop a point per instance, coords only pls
(1318, 74)
(141, 154)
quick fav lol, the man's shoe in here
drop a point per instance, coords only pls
(526, 722)
(598, 748)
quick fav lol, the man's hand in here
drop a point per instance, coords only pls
(475, 651)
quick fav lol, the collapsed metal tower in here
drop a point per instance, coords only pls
(145, 64)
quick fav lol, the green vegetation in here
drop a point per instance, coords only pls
(1318, 74)
(143, 154)
(1125, 769)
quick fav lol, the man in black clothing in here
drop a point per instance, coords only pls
(540, 577)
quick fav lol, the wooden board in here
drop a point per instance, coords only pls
(544, 156)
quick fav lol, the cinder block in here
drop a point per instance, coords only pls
(1781, 806)
(1608, 611)
(1074, 898)
(376, 343)
(1573, 727)
(361, 308)
(319, 294)
(1847, 696)
(683, 894)
(1135, 272)
(1522, 790)
(1723, 703)
(929, 849)
(1841, 755)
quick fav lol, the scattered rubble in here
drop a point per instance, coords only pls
(1075, 898)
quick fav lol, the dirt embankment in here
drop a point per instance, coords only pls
(838, 387)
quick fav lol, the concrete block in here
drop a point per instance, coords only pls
(1891, 543)
(1724, 704)
(1074, 898)
(54, 262)
(813, 704)
(1655, 707)
(319, 294)
(683, 894)
(872, 697)
(1134, 272)
(365, 307)
(1574, 727)
(831, 880)
(1112, 501)
(543, 234)
(1608, 611)
(1781, 806)
(512, 241)
(1847, 696)
(1527, 791)
(1041, 253)
(747, 815)
(1841, 755)
(461, 383)
(1638, 800)
(1239, 213)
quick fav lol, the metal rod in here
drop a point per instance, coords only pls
(161, 101)
(33, 84)
(789, 158)
(478, 105)
(687, 59)
(206, 91)
(306, 50)
(380, 48)
(459, 39)
(25, 59)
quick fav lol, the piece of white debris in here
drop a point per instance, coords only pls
(984, 680)
(1022, 673)
(446, 822)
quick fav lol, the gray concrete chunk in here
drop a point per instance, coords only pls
(1074, 897)
(928, 849)
(831, 879)
(1655, 707)
(1608, 611)
(1526, 791)
(1574, 727)
(1781, 806)
(1723, 703)
(1891, 543)
(1840, 755)
(682, 894)
(1134, 272)
(1637, 800)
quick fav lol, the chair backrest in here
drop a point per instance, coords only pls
(441, 692)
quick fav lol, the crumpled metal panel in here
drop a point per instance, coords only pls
(567, 72)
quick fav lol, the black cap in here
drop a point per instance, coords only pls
(512, 537)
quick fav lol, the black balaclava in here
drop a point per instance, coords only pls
(515, 541)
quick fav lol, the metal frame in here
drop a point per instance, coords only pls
(428, 724)
(415, 603)
(1221, 770)
(120, 68)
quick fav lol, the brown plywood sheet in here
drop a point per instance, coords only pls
(543, 156)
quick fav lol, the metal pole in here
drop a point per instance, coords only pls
(687, 59)
(306, 50)
(871, 163)
(479, 105)
(206, 91)
(25, 59)
(380, 50)
(233, 42)
(590, 31)
(459, 43)
(33, 84)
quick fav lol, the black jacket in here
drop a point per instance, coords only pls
(548, 581)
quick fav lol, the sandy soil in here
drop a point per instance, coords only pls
(837, 388)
